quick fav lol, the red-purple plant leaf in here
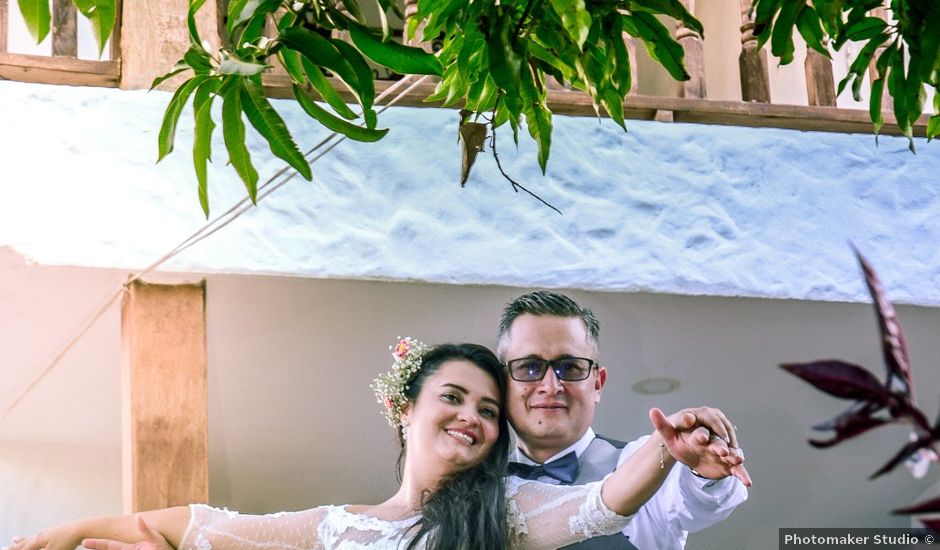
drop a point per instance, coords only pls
(893, 344)
(902, 455)
(932, 524)
(849, 424)
(926, 507)
(842, 380)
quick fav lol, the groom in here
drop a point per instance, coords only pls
(549, 344)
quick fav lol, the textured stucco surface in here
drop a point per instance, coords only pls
(673, 208)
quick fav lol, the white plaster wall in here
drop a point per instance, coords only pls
(47, 484)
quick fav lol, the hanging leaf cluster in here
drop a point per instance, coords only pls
(905, 49)
(876, 403)
(498, 55)
(301, 41)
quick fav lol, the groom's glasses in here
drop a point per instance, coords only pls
(533, 369)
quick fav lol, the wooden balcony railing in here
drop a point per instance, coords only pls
(741, 95)
(63, 66)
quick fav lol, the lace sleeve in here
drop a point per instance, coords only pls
(222, 529)
(543, 516)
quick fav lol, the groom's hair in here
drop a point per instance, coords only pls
(545, 303)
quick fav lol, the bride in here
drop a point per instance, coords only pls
(447, 404)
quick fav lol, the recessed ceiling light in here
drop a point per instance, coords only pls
(656, 386)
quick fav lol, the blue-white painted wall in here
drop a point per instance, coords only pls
(672, 208)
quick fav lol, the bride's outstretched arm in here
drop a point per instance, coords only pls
(678, 438)
(169, 523)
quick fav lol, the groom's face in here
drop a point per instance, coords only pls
(550, 415)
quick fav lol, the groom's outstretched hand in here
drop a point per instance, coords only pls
(703, 439)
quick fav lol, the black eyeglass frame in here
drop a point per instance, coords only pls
(554, 366)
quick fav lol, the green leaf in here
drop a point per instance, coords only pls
(233, 134)
(574, 18)
(660, 44)
(171, 116)
(202, 138)
(874, 105)
(537, 116)
(397, 57)
(197, 58)
(622, 75)
(271, 126)
(933, 127)
(860, 30)
(811, 30)
(765, 12)
(177, 69)
(194, 6)
(322, 52)
(363, 72)
(672, 8)
(781, 41)
(37, 18)
(323, 87)
(335, 123)
(102, 15)
(505, 63)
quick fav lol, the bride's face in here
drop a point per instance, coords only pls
(455, 419)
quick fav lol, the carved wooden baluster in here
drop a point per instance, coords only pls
(631, 50)
(820, 84)
(3, 26)
(691, 42)
(755, 79)
(64, 34)
(887, 105)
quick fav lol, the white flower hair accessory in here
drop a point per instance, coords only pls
(390, 387)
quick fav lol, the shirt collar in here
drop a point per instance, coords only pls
(578, 447)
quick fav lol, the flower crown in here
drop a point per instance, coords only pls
(390, 387)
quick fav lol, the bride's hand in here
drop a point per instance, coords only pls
(61, 537)
(152, 541)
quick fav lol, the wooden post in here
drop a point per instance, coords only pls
(64, 34)
(820, 84)
(3, 26)
(755, 78)
(165, 419)
(691, 42)
(154, 36)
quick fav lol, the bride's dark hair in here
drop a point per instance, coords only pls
(468, 509)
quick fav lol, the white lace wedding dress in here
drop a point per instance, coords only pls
(540, 517)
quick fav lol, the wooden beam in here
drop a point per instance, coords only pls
(64, 31)
(645, 107)
(154, 36)
(59, 70)
(165, 419)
